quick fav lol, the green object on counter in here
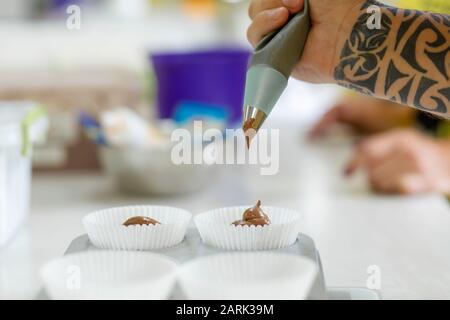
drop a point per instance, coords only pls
(148, 85)
(32, 116)
(444, 132)
(444, 129)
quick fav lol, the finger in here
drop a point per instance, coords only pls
(258, 6)
(266, 22)
(359, 160)
(384, 143)
(362, 157)
(328, 119)
(294, 6)
(413, 184)
(397, 174)
(385, 173)
(370, 152)
(378, 147)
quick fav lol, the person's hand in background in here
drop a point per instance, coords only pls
(405, 162)
(326, 37)
(365, 115)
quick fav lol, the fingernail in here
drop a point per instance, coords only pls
(291, 3)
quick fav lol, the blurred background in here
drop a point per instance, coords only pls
(155, 57)
(106, 81)
(101, 84)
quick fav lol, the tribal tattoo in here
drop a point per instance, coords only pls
(406, 59)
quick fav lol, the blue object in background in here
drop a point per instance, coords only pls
(92, 128)
(187, 111)
(212, 77)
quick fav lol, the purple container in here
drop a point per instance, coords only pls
(215, 77)
(57, 8)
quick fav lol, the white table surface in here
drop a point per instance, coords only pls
(407, 237)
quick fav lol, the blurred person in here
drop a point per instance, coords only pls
(404, 60)
(394, 63)
(364, 115)
(400, 161)
(408, 153)
(404, 161)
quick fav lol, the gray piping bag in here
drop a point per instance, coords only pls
(271, 65)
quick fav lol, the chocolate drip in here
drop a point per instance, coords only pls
(249, 131)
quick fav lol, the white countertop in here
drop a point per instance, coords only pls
(407, 237)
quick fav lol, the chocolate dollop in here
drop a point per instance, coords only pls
(254, 216)
(133, 221)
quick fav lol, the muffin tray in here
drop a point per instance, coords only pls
(192, 247)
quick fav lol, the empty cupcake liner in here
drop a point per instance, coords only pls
(105, 229)
(100, 274)
(216, 230)
(247, 275)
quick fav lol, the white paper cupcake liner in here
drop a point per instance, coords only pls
(100, 274)
(247, 275)
(106, 230)
(216, 229)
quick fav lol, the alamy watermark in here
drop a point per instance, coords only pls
(73, 281)
(374, 20)
(213, 146)
(73, 21)
(373, 282)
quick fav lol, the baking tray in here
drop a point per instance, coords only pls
(192, 247)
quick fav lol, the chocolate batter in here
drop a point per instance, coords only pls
(253, 217)
(133, 221)
(249, 131)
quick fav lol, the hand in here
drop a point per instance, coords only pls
(331, 22)
(341, 48)
(366, 115)
(405, 162)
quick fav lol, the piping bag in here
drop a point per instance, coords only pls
(270, 67)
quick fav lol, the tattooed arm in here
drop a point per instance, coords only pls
(405, 59)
